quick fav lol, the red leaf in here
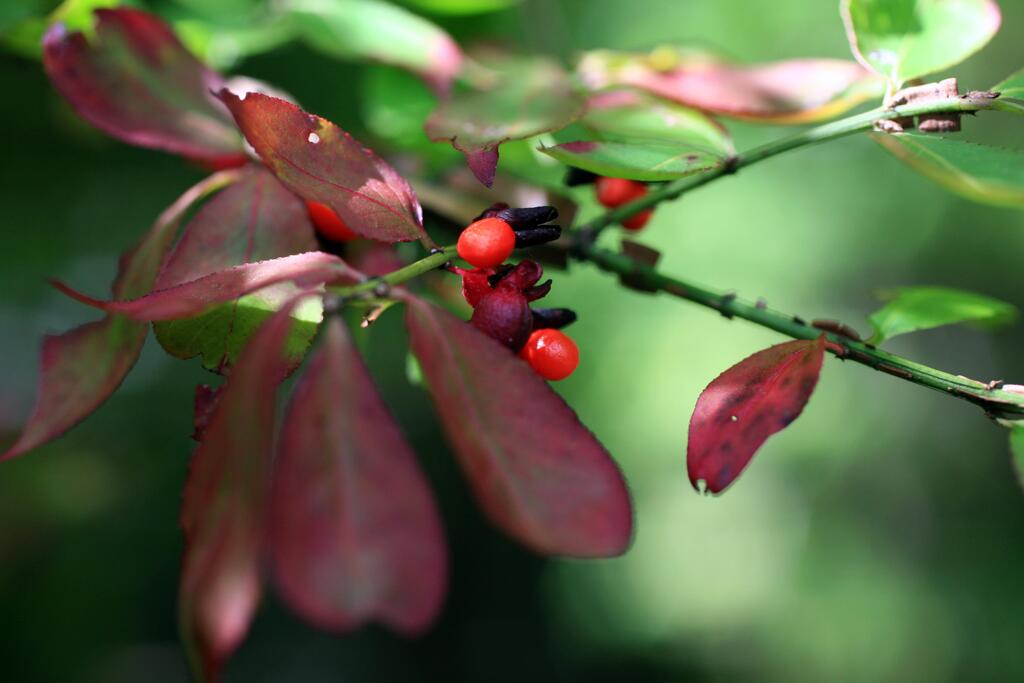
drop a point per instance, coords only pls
(222, 511)
(355, 535)
(80, 369)
(793, 91)
(194, 297)
(320, 161)
(137, 82)
(746, 404)
(538, 473)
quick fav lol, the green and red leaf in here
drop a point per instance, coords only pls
(222, 511)
(135, 81)
(379, 31)
(80, 369)
(793, 91)
(197, 296)
(355, 535)
(524, 97)
(745, 405)
(538, 473)
(255, 219)
(318, 160)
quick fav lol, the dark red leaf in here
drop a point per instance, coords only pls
(746, 404)
(80, 369)
(320, 161)
(194, 297)
(135, 81)
(355, 536)
(205, 401)
(537, 472)
(222, 511)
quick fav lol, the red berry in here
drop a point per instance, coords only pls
(638, 220)
(613, 192)
(328, 223)
(551, 354)
(487, 242)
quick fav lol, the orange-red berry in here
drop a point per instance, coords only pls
(614, 192)
(638, 220)
(328, 223)
(551, 354)
(487, 242)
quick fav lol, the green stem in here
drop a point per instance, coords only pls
(998, 403)
(397, 277)
(829, 131)
(1002, 404)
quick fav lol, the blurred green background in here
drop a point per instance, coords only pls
(881, 538)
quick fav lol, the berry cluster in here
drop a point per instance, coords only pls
(500, 294)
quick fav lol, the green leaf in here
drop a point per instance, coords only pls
(924, 308)
(907, 39)
(629, 116)
(1011, 94)
(991, 175)
(1017, 451)
(524, 97)
(461, 7)
(220, 335)
(23, 34)
(636, 160)
(379, 31)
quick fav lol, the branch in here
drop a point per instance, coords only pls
(997, 403)
(829, 131)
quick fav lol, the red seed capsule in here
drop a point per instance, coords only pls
(486, 243)
(552, 354)
(328, 223)
(613, 192)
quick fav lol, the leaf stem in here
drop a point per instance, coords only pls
(373, 285)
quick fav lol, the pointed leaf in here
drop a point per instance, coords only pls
(537, 472)
(255, 219)
(355, 536)
(1017, 452)
(637, 160)
(194, 297)
(528, 96)
(626, 115)
(1011, 93)
(906, 39)
(745, 405)
(319, 161)
(135, 81)
(367, 29)
(222, 511)
(991, 175)
(924, 308)
(793, 91)
(80, 369)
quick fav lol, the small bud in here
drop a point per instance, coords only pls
(531, 237)
(553, 318)
(577, 176)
